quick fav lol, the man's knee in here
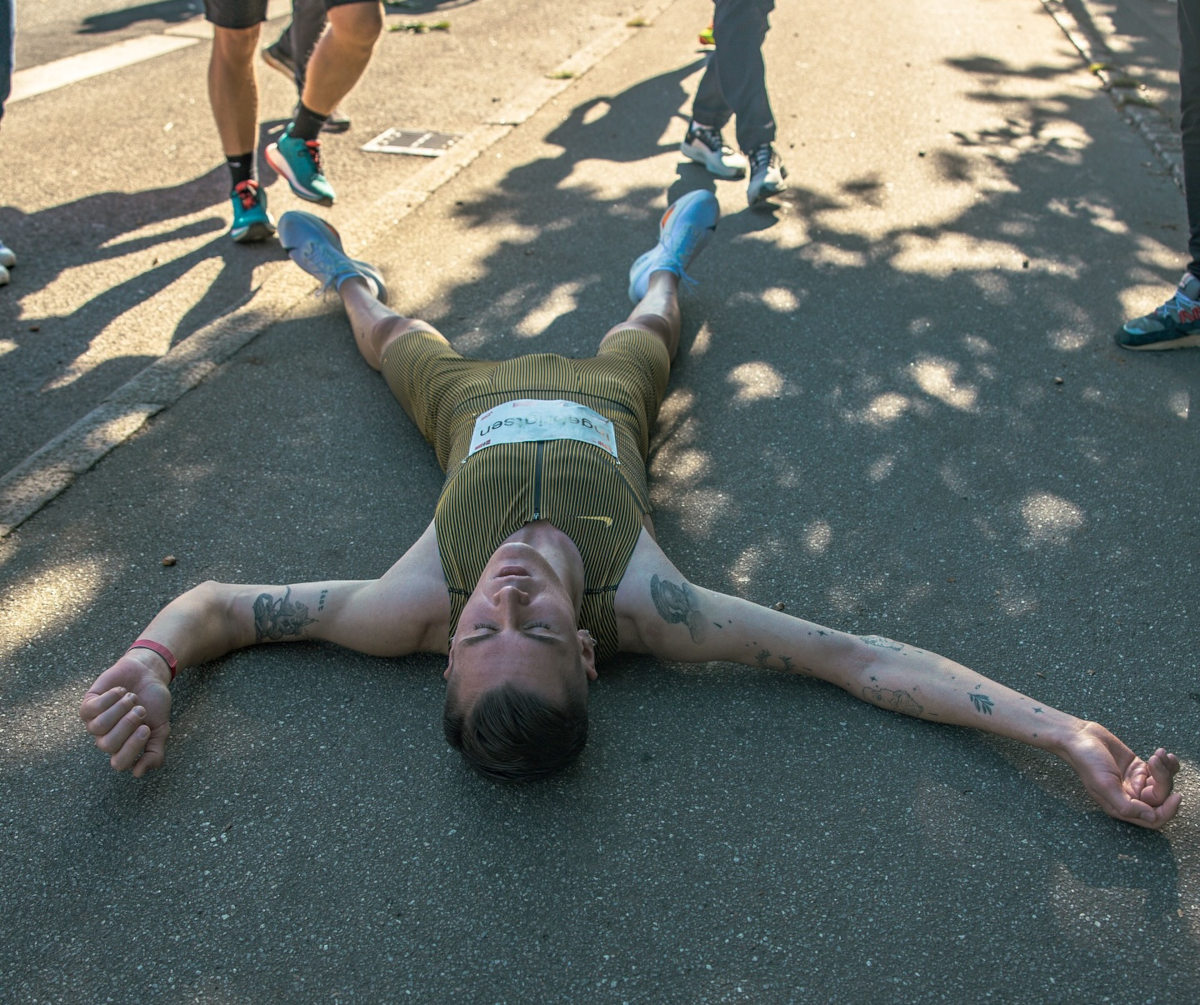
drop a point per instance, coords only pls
(234, 47)
(357, 24)
(387, 331)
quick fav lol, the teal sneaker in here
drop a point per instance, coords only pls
(1174, 325)
(317, 248)
(683, 232)
(251, 221)
(299, 161)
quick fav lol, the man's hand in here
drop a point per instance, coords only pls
(128, 711)
(1128, 788)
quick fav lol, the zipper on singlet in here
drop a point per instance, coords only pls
(537, 480)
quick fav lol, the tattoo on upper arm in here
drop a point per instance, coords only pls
(676, 604)
(897, 701)
(983, 704)
(280, 618)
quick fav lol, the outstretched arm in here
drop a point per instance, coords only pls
(127, 709)
(687, 623)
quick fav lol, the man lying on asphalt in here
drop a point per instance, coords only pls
(540, 560)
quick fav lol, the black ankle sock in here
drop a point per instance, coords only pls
(241, 167)
(307, 123)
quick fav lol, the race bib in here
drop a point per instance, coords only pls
(527, 419)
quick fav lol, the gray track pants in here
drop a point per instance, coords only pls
(734, 82)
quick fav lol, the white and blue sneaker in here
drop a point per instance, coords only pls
(705, 145)
(683, 232)
(768, 176)
(317, 248)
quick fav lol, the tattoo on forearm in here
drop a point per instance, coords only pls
(897, 701)
(676, 604)
(281, 618)
(321, 600)
(763, 659)
(983, 704)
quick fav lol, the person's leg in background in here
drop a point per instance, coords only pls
(8, 30)
(1176, 324)
(290, 53)
(337, 63)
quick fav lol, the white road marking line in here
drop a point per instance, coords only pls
(72, 69)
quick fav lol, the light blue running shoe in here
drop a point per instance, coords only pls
(683, 232)
(251, 221)
(299, 161)
(317, 248)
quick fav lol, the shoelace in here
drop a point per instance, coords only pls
(314, 151)
(247, 191)
(762, 158)
(711, 138)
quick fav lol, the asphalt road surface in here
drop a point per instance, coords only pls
(898, 409)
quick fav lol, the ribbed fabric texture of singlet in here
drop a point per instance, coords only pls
(596, 500)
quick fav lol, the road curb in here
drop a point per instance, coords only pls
(1120, 83)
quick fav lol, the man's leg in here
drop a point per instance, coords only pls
(308, 21)
(656, 313)
(1189, 121)
(8, 29)
(683, 231)
(709, 106)
(1176, 323)
(8, 17)
(375, 325)
(233, 94)
(704, 142)
(342, 54)
(316, 247)
(233, 88)
(334, 68)
(740, 26)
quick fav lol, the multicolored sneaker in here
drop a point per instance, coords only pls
(705, 145)
(299, 161)
(768, 176)
(317, 248)
(1174, 325)
(683, 232)
(279, 57)
(251, 221)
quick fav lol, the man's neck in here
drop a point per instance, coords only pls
(558, 550)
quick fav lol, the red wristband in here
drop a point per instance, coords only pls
(157, 647)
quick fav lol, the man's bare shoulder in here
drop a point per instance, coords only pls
(634, 603)
(411, 597)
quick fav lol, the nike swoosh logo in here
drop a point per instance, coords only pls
(606, 520)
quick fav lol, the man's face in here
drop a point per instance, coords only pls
(519, 627)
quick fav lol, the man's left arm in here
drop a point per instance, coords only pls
(676, 620)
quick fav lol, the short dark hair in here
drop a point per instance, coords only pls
(514, 735)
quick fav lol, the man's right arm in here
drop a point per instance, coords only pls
(127, 709)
